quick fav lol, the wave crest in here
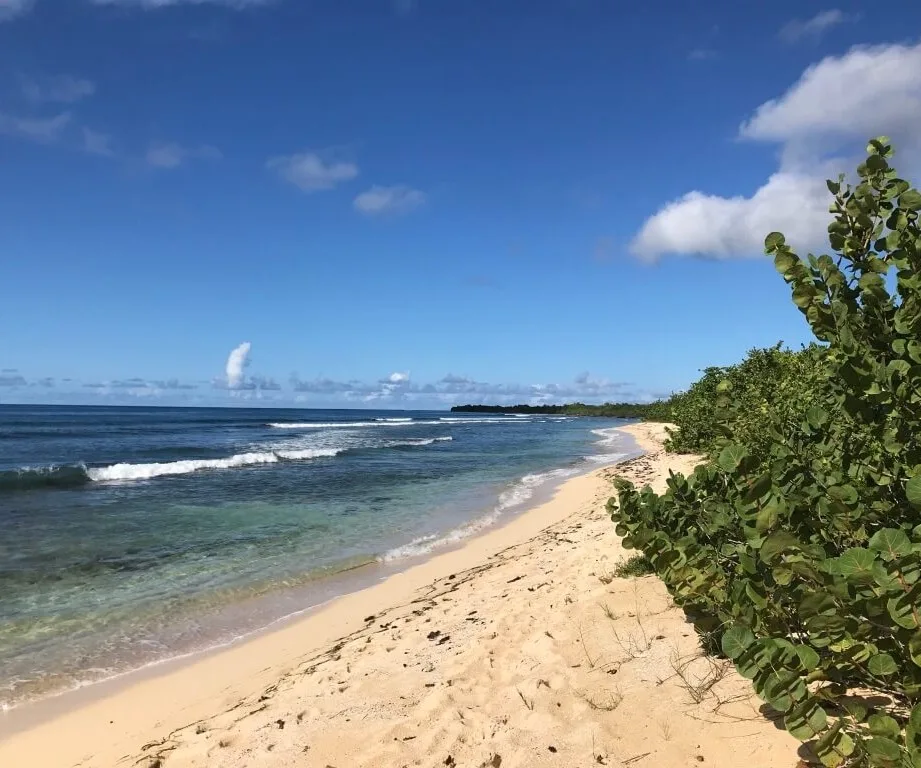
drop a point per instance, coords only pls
(53, 476)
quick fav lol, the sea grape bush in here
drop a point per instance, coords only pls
(801, 552)
(774, 380)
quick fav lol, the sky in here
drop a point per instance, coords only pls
(419, 203)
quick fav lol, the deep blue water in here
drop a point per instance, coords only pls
(135, 534)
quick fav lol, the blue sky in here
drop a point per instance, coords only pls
(412, 204)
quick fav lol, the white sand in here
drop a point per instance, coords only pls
(518, 649)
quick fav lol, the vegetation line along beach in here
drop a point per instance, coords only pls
(523, 647)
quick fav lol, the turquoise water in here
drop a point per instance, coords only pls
(132, 535)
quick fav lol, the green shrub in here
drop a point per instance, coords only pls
(799, 543)
(734, 403)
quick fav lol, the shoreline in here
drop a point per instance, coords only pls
(210, 709)
(310, 597)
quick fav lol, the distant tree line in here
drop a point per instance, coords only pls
(657, 411)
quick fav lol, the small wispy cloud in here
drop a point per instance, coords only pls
(170, 155)
(41, 129)
(405, 7)
(800, 29)
(379, 200)
(154, 4)
(702, 54)
(96, 143)
(310, 172)
(10, 9)
(12, 380)
(61, 89)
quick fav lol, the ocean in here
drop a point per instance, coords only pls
(135, 535)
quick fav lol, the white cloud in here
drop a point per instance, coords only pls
(95, 143)
(10, 9)
(46, 129)
(456, 389)
(798, 29)
(310, 172)
(64, 89)
(835, 106)
(867, 90)
(237, 361)
(172, 155)
(383, 200)
(709, 225)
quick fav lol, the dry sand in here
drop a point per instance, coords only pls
(520, 648)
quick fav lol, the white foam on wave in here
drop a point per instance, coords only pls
(126, 471)
(515, 496)
(606, 458)
(309, 453)
(485, 420)
(395, 421)
(347, 424)
(611, 437)
(420, 441)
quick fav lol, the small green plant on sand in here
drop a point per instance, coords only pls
(635, 565)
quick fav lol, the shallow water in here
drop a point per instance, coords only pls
(137, 534)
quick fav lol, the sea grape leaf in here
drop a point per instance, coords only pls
(808, 658)
(806, 720)
(891, 542)
(856, 564)
(910, 199)
(736, 640)
(834, 747)
(883, 725)
(914, 648)
(731, 457)
(881, 747)
(774, 240)
(904, 611)
(776, 543)
(913, 490)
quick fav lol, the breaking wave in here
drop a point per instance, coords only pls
(72, 475)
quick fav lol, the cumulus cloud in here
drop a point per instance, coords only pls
(310, 172)
(10, 9)
(398, 378)
(63, 89)
(834, 107)
(389, 200)
(237, 361)
(170, 155)
(44, 130)
(799, 29)
(12, 380)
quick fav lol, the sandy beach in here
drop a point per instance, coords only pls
(520, 648)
